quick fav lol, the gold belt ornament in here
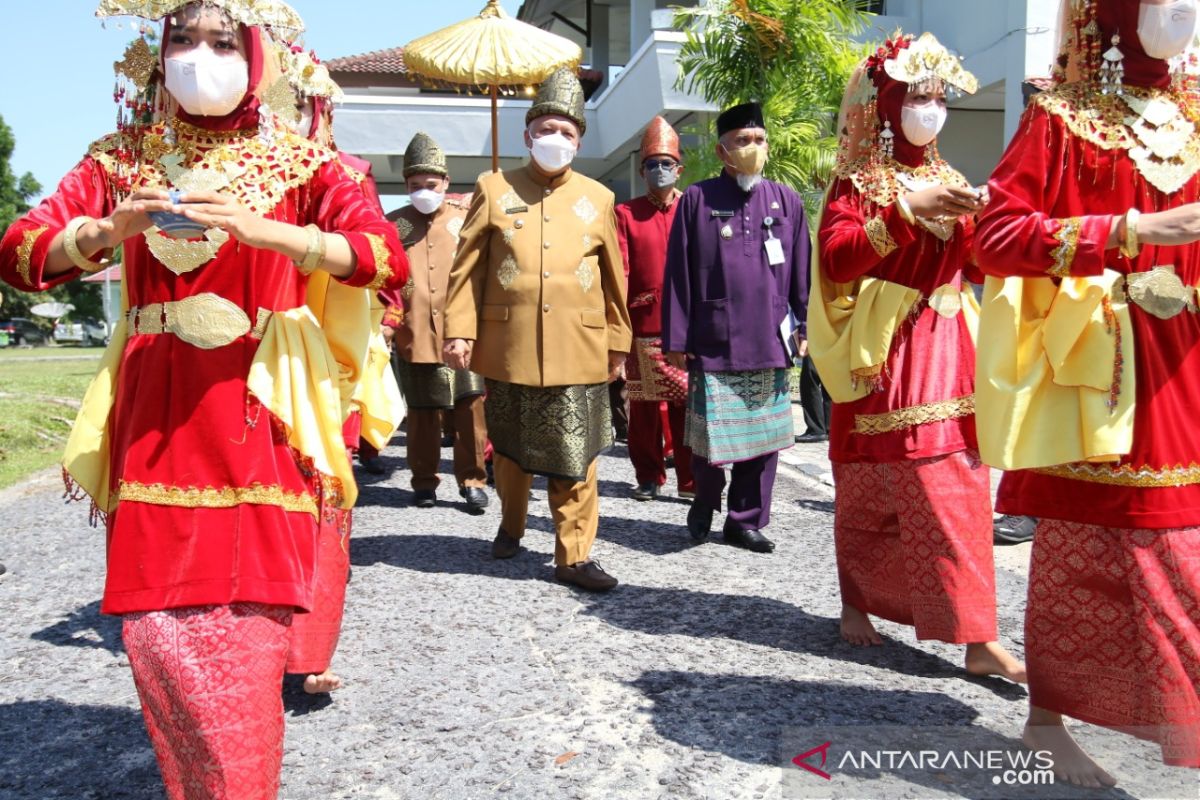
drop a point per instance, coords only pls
(205, 320)
(946, 301)
(1158, 291)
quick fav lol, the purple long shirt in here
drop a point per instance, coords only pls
(722, 301)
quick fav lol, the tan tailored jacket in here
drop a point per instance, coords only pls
(538, 281)
(430, 242)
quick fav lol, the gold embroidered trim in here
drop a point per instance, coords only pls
(508, 272)
(508, 234)
(584, 209)
(1067, 237)
(383, 269)
(880, 184)
(880, 237)
(260, 324)
(586, 275)
(258, 174)
(1127, 475)
(409, 288)
(873, 424)
(404, 228)
(454, 226)
(25, 252)
(1153, 125)
(208, 497)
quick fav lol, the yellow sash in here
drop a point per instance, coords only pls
(377, 394)
(1045, 368)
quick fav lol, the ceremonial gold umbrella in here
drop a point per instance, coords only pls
(490, 49)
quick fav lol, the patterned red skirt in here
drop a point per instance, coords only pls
(648, 376)
(914, 545)
(209, 680)
(1112, 630)
(315, 634)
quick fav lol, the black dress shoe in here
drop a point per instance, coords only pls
(3, 569)
(753, 541)
(645, 491)
(1010, 529)
(477, 499)
(425, 498)
(505, 546)
(810, 438)
(586, 575)
(374, 465)
(699, 521)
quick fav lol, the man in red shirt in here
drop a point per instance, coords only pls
(643, 226)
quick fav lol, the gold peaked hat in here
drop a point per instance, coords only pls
(927, 59)
(424, 156)
(274, 14)
(660, 139)
(560, 94)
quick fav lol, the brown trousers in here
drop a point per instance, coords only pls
(575, 508)
(425, 450)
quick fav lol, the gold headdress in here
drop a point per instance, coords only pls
(424, 156)
(926, 60)
(561, 94)
(309, 77)
(274, 14)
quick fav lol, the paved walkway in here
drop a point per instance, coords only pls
(471, 678)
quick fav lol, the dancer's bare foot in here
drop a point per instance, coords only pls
(328, 681)
(989, 658)
(857, 628)
(1045, 731)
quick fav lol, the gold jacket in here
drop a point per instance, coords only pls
(538, 281)
(430, 242)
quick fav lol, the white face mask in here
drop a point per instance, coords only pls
(426, 201)
(1165, 31)
(922, 124)
(304, 126)
(206, 84)
(552, 152)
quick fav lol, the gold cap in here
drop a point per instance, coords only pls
(424, 156)
(561, 94)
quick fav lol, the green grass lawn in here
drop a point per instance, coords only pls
(35, 410)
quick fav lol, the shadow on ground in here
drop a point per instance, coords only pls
(85, 627)
(82, 752)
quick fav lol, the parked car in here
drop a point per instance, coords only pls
(87, 332)
(22, 331)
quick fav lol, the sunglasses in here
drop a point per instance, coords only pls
(653, 164)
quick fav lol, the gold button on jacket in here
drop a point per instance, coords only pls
(544, 301)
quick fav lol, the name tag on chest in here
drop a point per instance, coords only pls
(774, 249)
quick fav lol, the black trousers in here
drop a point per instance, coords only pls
(814, 400)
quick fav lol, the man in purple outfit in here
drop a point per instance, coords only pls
(735, 290)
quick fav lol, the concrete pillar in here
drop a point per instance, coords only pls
(600, 48)
(639, 23)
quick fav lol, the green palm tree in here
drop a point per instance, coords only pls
(794, 57)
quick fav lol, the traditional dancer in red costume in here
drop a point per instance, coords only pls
(211, 439)
(643, 227)
(1089, 375)
(891, 338)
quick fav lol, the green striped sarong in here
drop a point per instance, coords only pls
(737, 416)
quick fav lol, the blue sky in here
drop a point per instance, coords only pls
(57, 90)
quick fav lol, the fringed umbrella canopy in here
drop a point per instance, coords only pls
(490, 49)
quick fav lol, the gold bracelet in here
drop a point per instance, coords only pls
(71, 247)
(314, 253)
(905, 210)
(1130, 246)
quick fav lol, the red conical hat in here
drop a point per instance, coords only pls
(660, 139)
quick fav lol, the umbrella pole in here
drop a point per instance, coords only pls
(495, 134)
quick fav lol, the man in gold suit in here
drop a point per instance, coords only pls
(429, 229)
(537, 306)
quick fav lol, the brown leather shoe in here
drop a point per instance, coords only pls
(586, 575)
(505, 546)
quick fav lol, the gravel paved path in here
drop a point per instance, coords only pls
(471, 678)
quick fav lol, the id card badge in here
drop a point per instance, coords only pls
(774, 249)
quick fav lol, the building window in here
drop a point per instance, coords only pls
(873, 6)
